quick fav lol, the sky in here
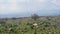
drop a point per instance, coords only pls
(18, 8)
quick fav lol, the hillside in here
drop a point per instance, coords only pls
(26, 25)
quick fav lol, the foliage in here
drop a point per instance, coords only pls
(12, 28)
(35, 16)
(43, 27)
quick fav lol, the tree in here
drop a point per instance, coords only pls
(35, 17)
(13, 18)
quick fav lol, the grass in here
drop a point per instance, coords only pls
(26, 29)
(22, 27)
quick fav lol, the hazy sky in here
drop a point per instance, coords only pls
(15, 7)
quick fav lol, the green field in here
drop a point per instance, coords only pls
(45, 25)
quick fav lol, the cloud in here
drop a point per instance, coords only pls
(16, 6)
(40, 4)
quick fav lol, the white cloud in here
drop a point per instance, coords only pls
(11, 6)
(11, 1)
(23, 0)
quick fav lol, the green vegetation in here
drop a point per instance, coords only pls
(42, 25)
(28, 28)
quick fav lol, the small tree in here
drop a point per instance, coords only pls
(13, 18)
(6, 19)
(35, 17)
